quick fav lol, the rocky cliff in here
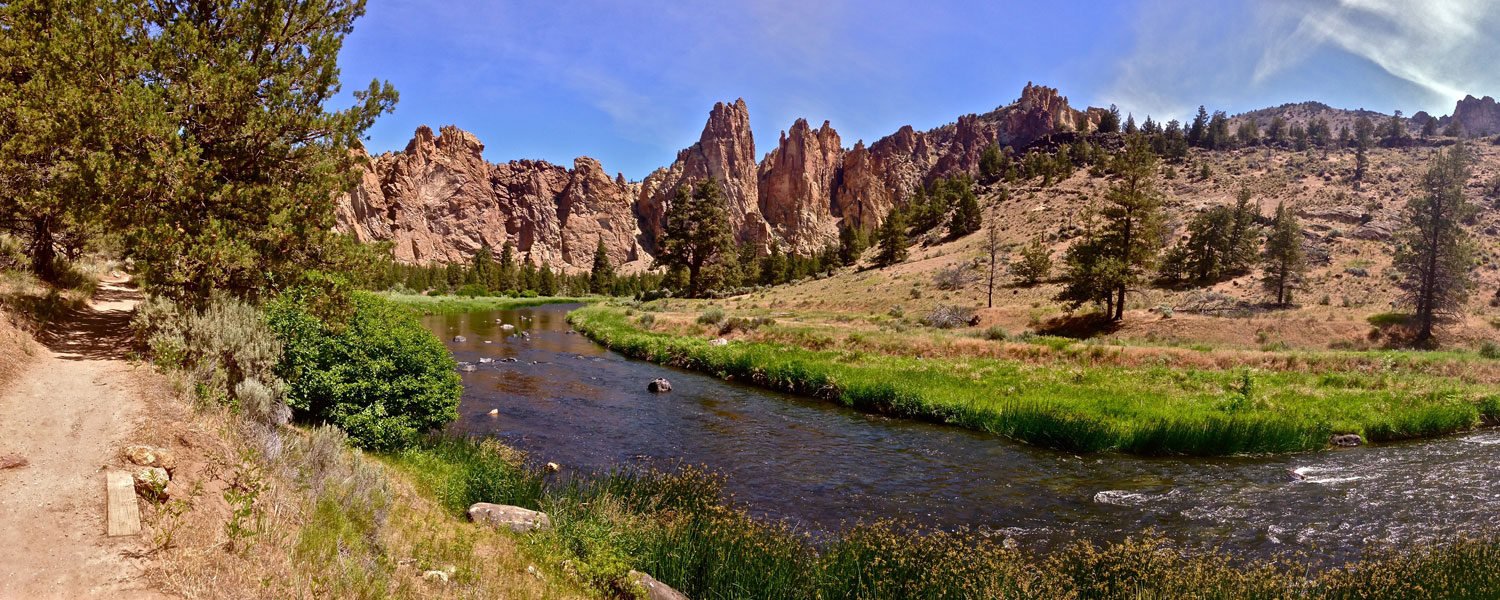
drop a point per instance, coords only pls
(1479, 116)
(439, 200)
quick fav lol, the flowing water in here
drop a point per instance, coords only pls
(567, 400)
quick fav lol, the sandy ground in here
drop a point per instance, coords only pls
(68, 414)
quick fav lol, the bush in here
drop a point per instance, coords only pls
(952, 278)
(528, 294)
(219, 347)
(380, 377)
(1388, 319)
(996, 334)
(434, 293)
(1489, 349)
(712, 316)
(473, 290)
(647, 320)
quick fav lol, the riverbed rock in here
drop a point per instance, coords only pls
(483, 361)
(460, 339)
(659, 386)
(507, 327)
(655, 590)
(151, 483)
(1347, 440)
(515, 518)
(468, 368)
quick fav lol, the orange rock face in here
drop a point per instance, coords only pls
(439, 200)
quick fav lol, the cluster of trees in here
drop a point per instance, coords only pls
(951, 200)
(195, 133)
(488, 274)
(701, 255)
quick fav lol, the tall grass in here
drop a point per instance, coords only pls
(675, 526)
(1077, 407)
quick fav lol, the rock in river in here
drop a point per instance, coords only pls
(460, 339)
(659, 386)
(1348, 439)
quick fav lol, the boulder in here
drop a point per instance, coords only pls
(1346, 440)
(515, 518)
(435, 576)
(659, 386)
(147, 456)
(507, 327)
(654, 590)
(460, 339)
(718, 342)
(467, 368)
(484, 361)
(151, 483)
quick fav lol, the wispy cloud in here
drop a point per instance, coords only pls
(1446, 47)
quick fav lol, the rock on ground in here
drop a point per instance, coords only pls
(655, 590)
(517, 519)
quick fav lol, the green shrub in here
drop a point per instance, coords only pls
(472, 290)
(995, 333)
(380, 377)
(219, 347)
(1387, 319)
(712, 316)
(434, 293)
(647, 320)
(1489, 349)
(528, 294)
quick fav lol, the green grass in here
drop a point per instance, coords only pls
(1080, 407)
(445, 305)
(675, 526)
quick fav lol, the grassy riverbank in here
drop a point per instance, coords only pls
(446, 305)
(675, 527)
(1075, 403)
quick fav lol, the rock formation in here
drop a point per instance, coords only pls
(1479, 116)
(439, 200)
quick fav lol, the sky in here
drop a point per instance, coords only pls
(631, 83)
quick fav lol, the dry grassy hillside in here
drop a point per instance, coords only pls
(1347, 239)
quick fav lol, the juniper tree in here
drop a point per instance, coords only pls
(1433, 250)
(1277, 130)
(602, 273)
(773, 269)
(505, 272)
(1221, 242)
(246, 156)
(967, 217)
(1035, 264)
(851, 244)
(1455, 129)
(1106, 265)
(696, 233)
(1282, 260)
(1429, 127)
(891, 239)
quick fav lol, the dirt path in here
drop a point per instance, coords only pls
(69, 414)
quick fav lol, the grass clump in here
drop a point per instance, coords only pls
(438, 303)
(712, 316)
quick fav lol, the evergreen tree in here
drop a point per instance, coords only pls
(1434, 251)
(1320, 133)
(1081, 123)
(1429, 127)
(1395, 130)
(1130, 124)
(1249, 133)
(484, 266)
(546, 282)
(506, 270)
(1455, 129)
(1364, 132)
(696, 233)
(993, 163)
(1035, 264)
(891, 239)
(1197, 134)
(749, 260)
(773, 269)
(993, 247)
(602, 274)
(851, 244)
(1108, 264)
(528, 277)
(1221, 242)
(967, 216)
(1277, 130)
(1109, 122)
(1283, 262)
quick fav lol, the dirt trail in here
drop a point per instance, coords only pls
(69, 414)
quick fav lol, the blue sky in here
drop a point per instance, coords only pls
(631, 83)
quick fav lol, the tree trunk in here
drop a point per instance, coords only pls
(43, 250)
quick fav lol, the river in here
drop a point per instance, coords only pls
(568, 400)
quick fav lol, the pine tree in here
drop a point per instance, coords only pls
(851, 244)
(1109, 122)
(1455, 129)
(1221, 242)
(506, 270)
(484, 266)
(1130, 128)
(1277, 130)
(891, 239)
(1249, 133)
(1197, 134)
(1035, 264)
(696, 234)
(1283, 262)
(1108, 264)
(967, 217)
(1434, 251)
(993, 247)
(773, 269)
(546, 282)
(528, 276)
(602, 274)
(1429, 127)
